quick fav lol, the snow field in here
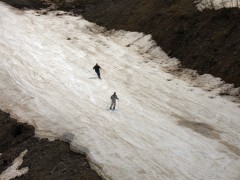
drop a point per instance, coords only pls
(48, 82)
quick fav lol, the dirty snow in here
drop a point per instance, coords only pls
(164, 127)
(13, 171)
(216, 4)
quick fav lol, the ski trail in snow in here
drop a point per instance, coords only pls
(161, 130)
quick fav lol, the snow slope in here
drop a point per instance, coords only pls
(163, 127)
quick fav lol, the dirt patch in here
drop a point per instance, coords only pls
(201, 128)
(45, 160)
(31, 4)
(232, 148)
(208, 131)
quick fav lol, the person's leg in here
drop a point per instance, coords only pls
(98, 73)
(114, 104)
(111, 105)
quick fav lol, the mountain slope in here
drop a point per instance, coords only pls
(162, 125)
(206, 41)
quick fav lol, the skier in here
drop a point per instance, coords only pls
(97, 70)
(113, 104)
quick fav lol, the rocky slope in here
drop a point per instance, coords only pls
(45, 160)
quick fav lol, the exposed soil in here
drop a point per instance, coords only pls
(45, 160)
(30, 4)
(201, 128)
(208, 131)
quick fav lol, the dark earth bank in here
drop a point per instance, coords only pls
(207, 41)
(45, 160)
(30, 4)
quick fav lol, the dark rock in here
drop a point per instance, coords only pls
(45, 159)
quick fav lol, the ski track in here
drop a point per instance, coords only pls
(48, 82)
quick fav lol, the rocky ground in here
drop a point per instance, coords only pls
(29, 4)
(45, 160)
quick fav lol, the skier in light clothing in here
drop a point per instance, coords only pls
(113, 104)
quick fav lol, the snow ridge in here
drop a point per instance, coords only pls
(13, 171)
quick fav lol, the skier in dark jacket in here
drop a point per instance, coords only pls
(114, 98)
(97, 70)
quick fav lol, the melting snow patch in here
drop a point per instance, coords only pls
(216, 4)
(13, 171)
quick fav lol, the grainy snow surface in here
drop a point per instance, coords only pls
(163, 127)
(217, 4)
